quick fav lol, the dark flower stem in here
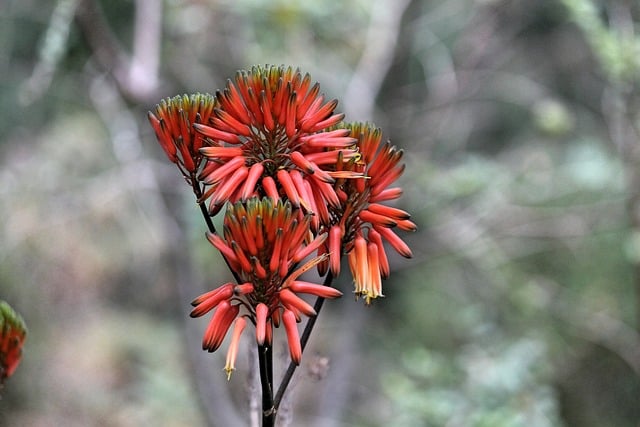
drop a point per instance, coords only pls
(286, 379)
(207, 218)
(265, 357)
(203, 208)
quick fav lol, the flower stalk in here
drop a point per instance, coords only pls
(265, 358)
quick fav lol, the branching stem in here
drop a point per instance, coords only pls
(286, 379)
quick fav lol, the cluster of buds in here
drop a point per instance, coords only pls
(12, 335)
(301, 189)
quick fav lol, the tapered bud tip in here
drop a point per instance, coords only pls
(262, 312)
(295, 349)
(229, 371)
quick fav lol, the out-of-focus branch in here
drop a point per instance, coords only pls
(106, 48)
(145, 63)
(136, 75)
(600, 327)
(255, 412)
(52, 50)
(625, 136)
(470, 237)
(614, 335)
(337, 391)
(376, 59)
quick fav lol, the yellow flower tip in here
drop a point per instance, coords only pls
(232, 353)
(229, 370)
(367, 296)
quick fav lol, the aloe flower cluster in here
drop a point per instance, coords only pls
(299, 187)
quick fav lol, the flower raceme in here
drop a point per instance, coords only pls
(269, 136)
(363, 221)
(264, 242)
(173, 122)
(301, 188)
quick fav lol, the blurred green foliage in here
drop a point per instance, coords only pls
(616, 47)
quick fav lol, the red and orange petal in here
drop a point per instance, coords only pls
(12, 335)
(232, 353)
(364, 262)
(375, 238)
(386, 194)
(302, 287)
(373, 218)
(173, 120)
(219, 325)
(249, 186)
(396, 242)
(262, 311)
(335, 249)
(386, 216)
(207, 302)
(293, 338)
(293, 302)
(305, 251)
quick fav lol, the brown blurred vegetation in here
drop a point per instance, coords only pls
(520, 124)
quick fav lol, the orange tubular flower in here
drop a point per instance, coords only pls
(363, 221)
(173, 121)
(230, 365)
(264, 241)
(270, 131)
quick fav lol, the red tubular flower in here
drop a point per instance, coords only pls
(295, 349)
(173, 121)
(12, 335)
(269, 126)
(262, 312)
(363, 222)
(264, 241)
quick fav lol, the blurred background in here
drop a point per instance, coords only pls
(520, 122)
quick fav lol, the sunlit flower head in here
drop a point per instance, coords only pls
(173, 121)
(363, 222)
(12, 335)
(271, 135)
(265, 243)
